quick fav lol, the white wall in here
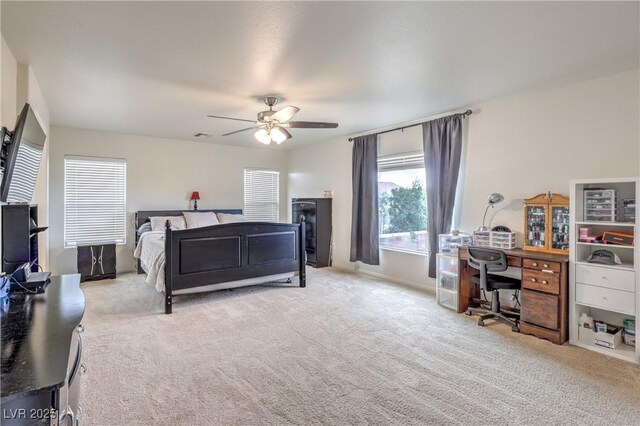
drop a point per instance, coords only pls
(8, 98)
(326, 166)
(41, 191)
(522, 146)
(161, 174)
(9, 81)
(20, 85)
(519, 146)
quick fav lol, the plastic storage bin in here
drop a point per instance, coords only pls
(447, 264)
(503, 240)
(482, 238)
(628, 210)
(447, 280)
(600, 205)
(449, 243)
(448, 299)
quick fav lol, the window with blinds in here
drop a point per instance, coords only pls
(261, 195)
(411, 160)
(94, 201)
(402, 215)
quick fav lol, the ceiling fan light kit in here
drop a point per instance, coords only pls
(263, 136)
(272, 124)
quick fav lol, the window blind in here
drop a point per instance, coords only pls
(261, 195)
(94, 201)
(25, 173)
(410, 160)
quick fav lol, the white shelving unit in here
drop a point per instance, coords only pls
(609, 293)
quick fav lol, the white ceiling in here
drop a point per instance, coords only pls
(158, 68)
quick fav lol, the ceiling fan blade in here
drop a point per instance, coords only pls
(285, 114)
(286, 133)
(310, 125)
(241, 130)
(231, 118)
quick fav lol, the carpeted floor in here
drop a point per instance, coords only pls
(347, 349)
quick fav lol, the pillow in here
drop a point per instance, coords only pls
(145, 227)
(177, 222)
(230, 218)
(200, 219)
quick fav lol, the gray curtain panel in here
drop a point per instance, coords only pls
(442, 143)
(364, 213)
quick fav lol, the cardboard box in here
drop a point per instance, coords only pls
(610, 340)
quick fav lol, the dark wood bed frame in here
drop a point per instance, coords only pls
(227, 252)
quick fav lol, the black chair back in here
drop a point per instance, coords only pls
(487, 260)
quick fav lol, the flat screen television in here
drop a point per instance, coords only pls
(21, 154)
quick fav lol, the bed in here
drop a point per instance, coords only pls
(218, 257)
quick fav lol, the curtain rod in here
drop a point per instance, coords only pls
(464, 114)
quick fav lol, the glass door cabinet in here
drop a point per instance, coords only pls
(546, 223)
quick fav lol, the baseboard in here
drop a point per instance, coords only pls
(344, 267)
(428, 287)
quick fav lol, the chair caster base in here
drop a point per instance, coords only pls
(481, 323)
(515, 329)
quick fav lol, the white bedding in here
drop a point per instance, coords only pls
(150, 251)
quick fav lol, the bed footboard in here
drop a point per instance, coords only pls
(231, 252)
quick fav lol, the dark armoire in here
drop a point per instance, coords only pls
(317, 216)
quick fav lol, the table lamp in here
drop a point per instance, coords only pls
(195, 196)
(494, 198)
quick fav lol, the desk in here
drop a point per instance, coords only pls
(544, 296)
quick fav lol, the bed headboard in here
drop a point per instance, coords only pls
(144, 215)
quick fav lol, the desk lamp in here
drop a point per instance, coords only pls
(494, 198)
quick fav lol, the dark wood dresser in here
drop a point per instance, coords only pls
(544, 296)
(42, 355)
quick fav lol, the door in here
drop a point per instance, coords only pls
(559, 241)
(535, 237)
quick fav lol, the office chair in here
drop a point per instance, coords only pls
(487, 260)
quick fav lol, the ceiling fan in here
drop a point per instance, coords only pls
(272, 125)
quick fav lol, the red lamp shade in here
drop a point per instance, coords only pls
(195, 195)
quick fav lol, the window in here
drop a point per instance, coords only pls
(262, 195)
(402, 202)
(94, 201)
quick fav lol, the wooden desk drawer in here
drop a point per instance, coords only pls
(516, 262)
(547, 282)
(606, 298)
(606, 277)
(541, 264)
(540, 309)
